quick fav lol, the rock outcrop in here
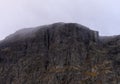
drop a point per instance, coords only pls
(60, 53)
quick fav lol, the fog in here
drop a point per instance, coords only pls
(100, 15)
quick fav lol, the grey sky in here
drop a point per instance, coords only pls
(100, 15)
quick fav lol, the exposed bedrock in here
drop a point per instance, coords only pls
(60, 53)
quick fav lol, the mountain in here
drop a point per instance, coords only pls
(60, 53)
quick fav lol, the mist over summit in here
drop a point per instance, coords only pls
(30, 32)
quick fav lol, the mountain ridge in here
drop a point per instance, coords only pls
(60, 53)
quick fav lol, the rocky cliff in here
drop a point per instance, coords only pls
(60, 53)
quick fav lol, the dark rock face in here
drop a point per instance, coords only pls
(61, 53)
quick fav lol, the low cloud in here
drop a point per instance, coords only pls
(101, 15)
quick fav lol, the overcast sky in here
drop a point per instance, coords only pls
(100, 15)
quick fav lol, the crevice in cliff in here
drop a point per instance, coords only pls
(47, 39)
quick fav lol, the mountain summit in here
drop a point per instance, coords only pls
(60, 53)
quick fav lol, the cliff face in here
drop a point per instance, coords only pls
(61, 53)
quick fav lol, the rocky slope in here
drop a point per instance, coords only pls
(60, 53)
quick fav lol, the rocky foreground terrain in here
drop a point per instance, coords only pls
(60, 53)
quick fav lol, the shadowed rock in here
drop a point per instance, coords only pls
(60, 53)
